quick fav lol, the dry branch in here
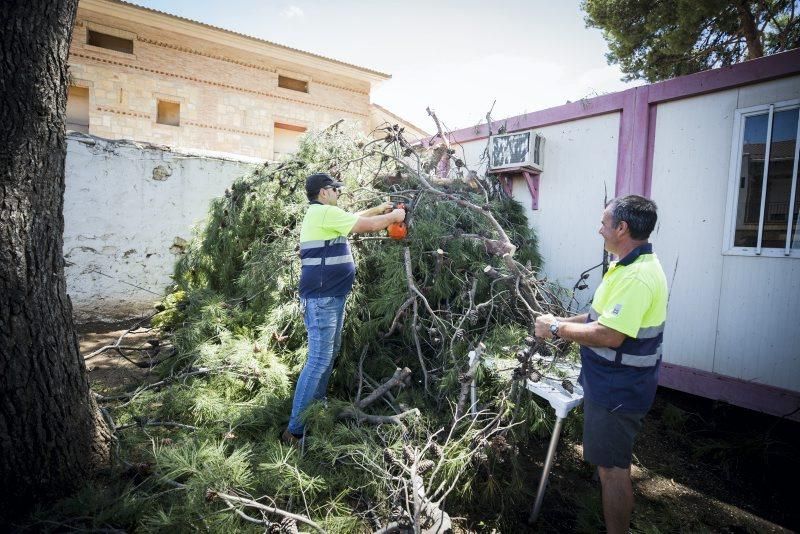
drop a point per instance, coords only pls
(231, 500)
(397, 379)
(361, 417)
(467, 380)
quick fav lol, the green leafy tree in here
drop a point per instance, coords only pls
(659, 39)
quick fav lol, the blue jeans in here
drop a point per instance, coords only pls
(324, 317)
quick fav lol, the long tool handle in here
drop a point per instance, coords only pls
(548, 464)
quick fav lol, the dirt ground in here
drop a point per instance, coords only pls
(699, 466)
(108, 370)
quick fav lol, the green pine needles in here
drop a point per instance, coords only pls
(234, 319)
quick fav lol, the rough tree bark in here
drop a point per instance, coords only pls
(51, 433)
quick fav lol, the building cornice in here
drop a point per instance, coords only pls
(188, 50)
(214, 34)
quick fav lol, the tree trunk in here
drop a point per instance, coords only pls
(51, 434)
(748, 26)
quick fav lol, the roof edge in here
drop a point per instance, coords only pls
(399, 118)
(759, 70)
(373, 75)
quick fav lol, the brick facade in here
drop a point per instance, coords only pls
(225, 84)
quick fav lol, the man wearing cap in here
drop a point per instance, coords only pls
(620, 340)
(326, 278)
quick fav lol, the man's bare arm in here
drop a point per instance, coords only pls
(574, 319)
(377, 222)
(592, 334)
(381, 209)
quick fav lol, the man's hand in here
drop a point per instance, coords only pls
(542, 327)
(380, 209)
(399, 215)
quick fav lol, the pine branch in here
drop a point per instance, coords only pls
(230, 500)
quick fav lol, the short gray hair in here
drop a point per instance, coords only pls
(640, 213)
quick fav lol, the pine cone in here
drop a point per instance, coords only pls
(535, 376)
(437, 450)
(289, 526)
(396, 513)
(500, 444)
(408, 454)
(425, 466)
(390, 457)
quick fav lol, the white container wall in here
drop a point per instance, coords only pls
(579, 170)
(731, 315)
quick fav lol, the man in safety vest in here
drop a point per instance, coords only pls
(620, 341)
(326, 278)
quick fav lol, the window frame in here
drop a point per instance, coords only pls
(309, 92)
(171, 99)
(114, 32)
(734, 178)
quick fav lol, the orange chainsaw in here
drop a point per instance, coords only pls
(398, 230)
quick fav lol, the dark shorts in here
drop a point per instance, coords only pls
(608, 436)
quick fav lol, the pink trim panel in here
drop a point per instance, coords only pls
(745, 73)
(574, 110)
(751, 395)
(651, 144)
(532, 179)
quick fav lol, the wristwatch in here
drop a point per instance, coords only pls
(554, 329)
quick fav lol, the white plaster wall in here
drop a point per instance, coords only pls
(125, 204)
(732, 315)
(580, 165)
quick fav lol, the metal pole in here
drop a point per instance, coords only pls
(548, 464)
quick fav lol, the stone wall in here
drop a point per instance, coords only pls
(229, 98)
(128, 211)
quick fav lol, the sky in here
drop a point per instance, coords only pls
(459, 58)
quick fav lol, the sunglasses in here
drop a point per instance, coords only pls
(336, 190)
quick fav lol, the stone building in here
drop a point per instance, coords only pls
(146, 75)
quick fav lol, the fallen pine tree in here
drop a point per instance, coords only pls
(406, 439)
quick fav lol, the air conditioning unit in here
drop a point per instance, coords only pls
(518, 150)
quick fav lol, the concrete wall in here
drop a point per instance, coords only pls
(229, 97)
(126, 207)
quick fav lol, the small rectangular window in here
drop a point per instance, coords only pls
(286, 140)
(169, 113)
(111, 42)
(78, 109)
(292, 84)
(768, 202)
